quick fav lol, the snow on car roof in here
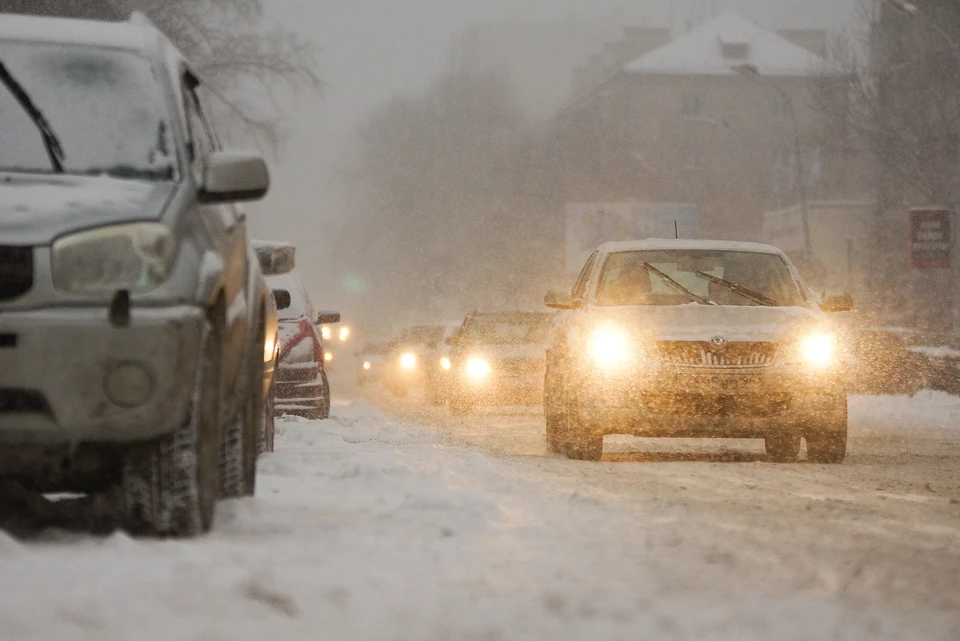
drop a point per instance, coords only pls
(134, 36)
(652, 244)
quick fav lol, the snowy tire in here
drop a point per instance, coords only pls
(827, 439)
(576, 443)
(268, 426)
(238, 451)
(170, 485)
(323, 409)
(782, 448)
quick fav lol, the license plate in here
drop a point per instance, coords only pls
(720, 383)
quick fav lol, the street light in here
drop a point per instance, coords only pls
(750, 71)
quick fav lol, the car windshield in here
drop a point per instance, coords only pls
(420, 336)
(719, 277)
(104, 105)
(508, 329)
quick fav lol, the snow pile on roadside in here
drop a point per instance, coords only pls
(368, 529)
(927, 410)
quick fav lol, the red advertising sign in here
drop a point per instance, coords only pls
(931, 237)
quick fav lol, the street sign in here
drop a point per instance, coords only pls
(931, 237)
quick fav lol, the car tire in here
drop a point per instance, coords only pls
(577, 443)
(827, 440)
(170, 485)
(782, 448)
(323, 405)
(268, 427)
(238, 447)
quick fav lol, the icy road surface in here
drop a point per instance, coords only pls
(401, 523)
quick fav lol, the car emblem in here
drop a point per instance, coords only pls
(718, 341)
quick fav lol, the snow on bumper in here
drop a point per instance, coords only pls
(64, 370)
(708, 402)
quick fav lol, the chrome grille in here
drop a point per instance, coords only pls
(705, 354)
(16, 271)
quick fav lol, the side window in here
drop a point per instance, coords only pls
(580, 288)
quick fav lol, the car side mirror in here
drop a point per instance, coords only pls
(282, 298)
(560, 298)
(234, 176)
(274, 258)
(327, 317)
(837, 303)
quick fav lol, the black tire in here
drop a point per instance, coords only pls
(827, 439)
(170, 485)
(782, 448)
(555, 433)
(268, 427)
(577, 444)
(238, 447)
(323, 405)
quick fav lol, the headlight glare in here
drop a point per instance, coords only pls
(609, 347)
(408, 361)
(136, 257)
(445, 364)
(818, 350)
(478, 368)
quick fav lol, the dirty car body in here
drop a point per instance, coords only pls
(695, 339)
(132, 316)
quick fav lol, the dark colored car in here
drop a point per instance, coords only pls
(301, 387)
(498, 358)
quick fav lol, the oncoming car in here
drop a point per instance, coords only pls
(695, 339)
(498, 358)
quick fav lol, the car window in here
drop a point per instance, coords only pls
(580, 288)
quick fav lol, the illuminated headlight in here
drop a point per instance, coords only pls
(609, 347)
(325, 333)
(477, 368)
(408, 361)
(135, 257)
(344, 333)
(818, 350)
(367, 365)
(445, 364)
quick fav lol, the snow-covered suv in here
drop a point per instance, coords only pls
(688, 339)
(132, 329)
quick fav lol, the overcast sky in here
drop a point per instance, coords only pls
(373, 49)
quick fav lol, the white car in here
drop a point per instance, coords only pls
(677, 338)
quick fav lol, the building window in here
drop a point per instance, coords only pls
(691, 106)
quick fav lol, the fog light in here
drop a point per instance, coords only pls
(128, 385)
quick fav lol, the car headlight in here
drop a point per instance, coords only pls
(478, 368)
(818, 350)
(445, 364)
(325, 333)
(609, 347)
(344, 333)
(408, 361)
(367, 365)
(136, 257)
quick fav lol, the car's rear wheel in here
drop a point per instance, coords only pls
(827, 437)
(171, 485)
(323, 405)
(783, 448)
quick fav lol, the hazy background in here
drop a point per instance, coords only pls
(374, 49)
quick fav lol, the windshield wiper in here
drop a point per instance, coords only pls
(746, 292)
(677, 287)
(50, 141)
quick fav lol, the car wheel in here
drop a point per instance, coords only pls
(827, 441)
(577, 443)
(782, 448)
(170, 485)
(267, 425)
(323, 405)
(238, 447)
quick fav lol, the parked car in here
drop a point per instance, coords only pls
(132, 311)
(274, 259)
(301, 386)
(695, 339)
(498, 358)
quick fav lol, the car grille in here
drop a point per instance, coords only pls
(705, 354)
(520, 365)
(16, 271)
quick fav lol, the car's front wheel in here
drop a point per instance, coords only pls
(575, 441)
(782, 448)
(827, 437)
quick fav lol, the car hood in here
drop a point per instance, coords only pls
(36, 210)
(702, 322)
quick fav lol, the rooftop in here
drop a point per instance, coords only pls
(133, 36)
(717, 46)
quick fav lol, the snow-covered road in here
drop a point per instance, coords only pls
(400, 523)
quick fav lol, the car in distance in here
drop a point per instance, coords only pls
(411, 357)
(498, 358)
(132, 320)
(370, 362)
(301, 386)
(687, 339)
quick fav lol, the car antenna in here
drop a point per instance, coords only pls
(676, 230)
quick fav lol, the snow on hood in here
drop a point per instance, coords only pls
(35, 210)
(702, 322)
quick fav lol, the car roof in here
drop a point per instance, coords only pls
(653, 244)
(135, 35)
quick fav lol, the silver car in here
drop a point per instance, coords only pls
(680, 338)
(132, 312)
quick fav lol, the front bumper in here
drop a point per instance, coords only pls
(55, 362)
(706, 402)
(502, 389)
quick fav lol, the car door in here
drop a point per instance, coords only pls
(227, 229)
